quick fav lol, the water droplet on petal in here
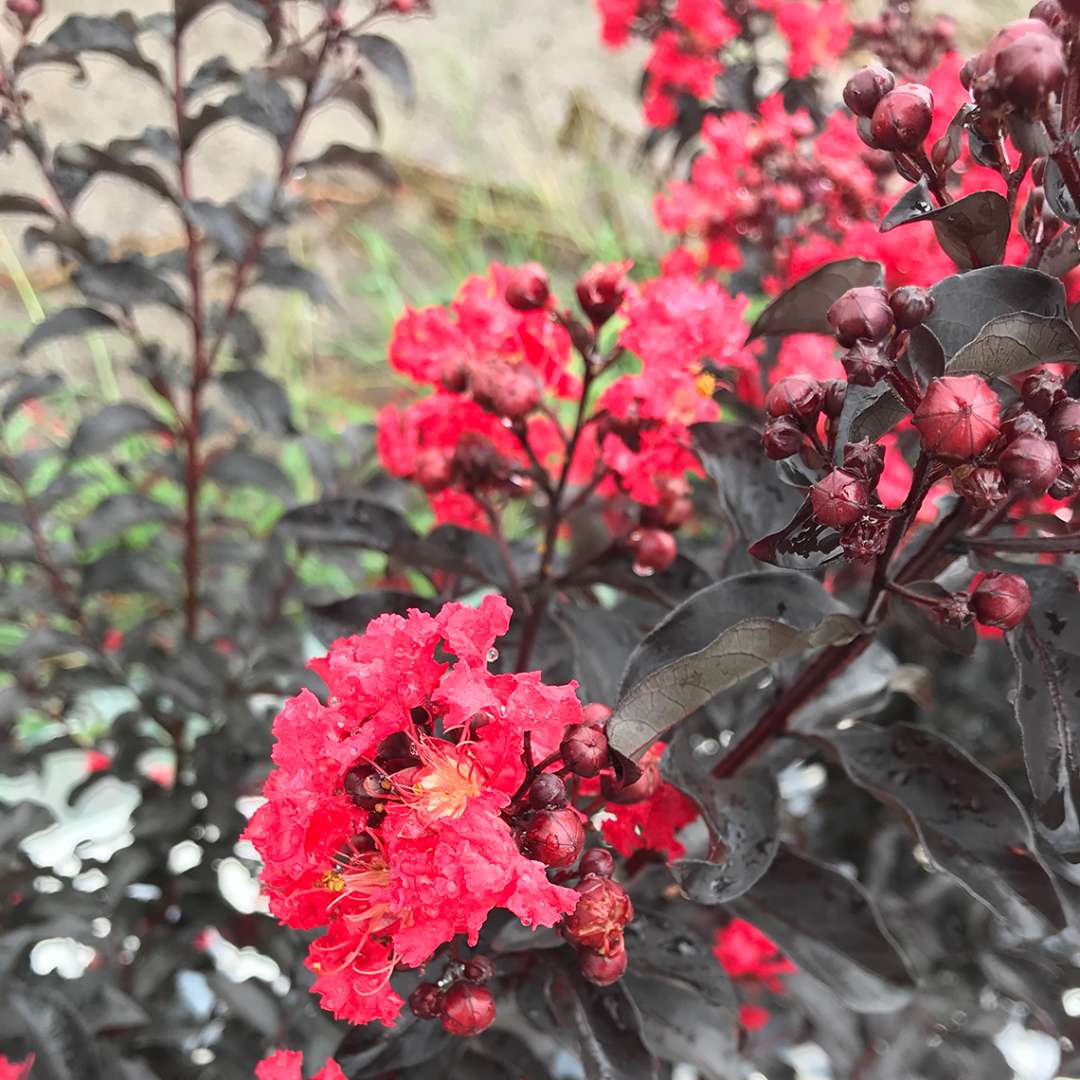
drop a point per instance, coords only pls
(492, 655)
(643, 571)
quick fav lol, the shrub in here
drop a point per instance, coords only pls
(647, 747)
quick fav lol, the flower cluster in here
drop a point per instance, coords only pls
(385, 820)
(15, 1070)
(499, 360)
(755, 963)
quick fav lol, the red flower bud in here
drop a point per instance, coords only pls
(515, 395)
(861, 313)
(1030, 464)
(782, 438)
(601, 289)
(911, 306)
(654, 550)
(26, 11)
(596, 714)
(644, 787)
(1063, 426)
(982, 486)
(1018, 420)
(902, 118)
(674, 505)
(554, 837)
(865, 364)
(454, 375)
(603, 970)
(1029, 70)
(597, 922)
(426, 1001)
(839, 499)
(794, 395)
(433, 470)
(866, 88)
(478, 969)
(866, 459)
(584, 749)
(548, 792)
(365, 785)
(1042, 390)
(527, 288)
(467, 1009)
(958, 417)
(597, 862)
(1001, 600)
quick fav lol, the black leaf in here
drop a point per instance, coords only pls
(102, 430)
(351, 616)
(30, 387)
(261, 399)
(801, 309)
(387, 57)
(114, 36)
(239, 468)
(720, 635)
(1013, 343)
(278, 268)
(343, 156)
(63, 1046)
(348, 521)
(23, 204)
(65, 323)
(127, 283)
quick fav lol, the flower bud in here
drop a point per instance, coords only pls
(865, 539)
(515, 394)
(603, 970)
(1028, 71)
(426, 1001)
(911, 306)
(478, 969)
(1030, 464)
(673, 507)
(958, 418)
(454, 375)
(902, 118)
(1018, 420)
(601, 289)
(1063, 426)
(584, 750)
(866, 459)
(1001, 600)
(547, 792)
(433, 470)
(595, 714)
(654, 550)
(861, 313)
(597, 922)
(866, 88)
(527, 288)
(365, 785)
(982, 487)
(833, 402)
(27, 12)
(1042, 390)
(794, 395)
(865, 364)
(839, 499)
(644, 787)
(467, 1009)
(597, 862)
(782, 438)
(554, 837)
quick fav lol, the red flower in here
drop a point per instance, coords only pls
(746, 953)
(286, 1065)
(389, 834)
(753, 1017)
(16, 1070)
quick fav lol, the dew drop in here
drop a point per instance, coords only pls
(643, 571)
(492, 655)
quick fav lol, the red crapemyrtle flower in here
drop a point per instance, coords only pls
(746, 953)
(287, 1064)
(386, 802)
(15, 1070)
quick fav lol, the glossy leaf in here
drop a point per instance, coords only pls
(801, 308)
(349, 521)
(1013, 343)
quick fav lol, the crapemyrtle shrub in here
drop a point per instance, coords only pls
(723, 717)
